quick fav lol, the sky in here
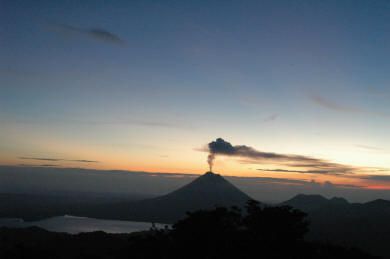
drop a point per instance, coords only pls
(147, 85)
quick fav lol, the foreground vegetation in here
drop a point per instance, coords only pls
(257, 232)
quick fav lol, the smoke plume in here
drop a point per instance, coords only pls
(253, 156)
(210, 161)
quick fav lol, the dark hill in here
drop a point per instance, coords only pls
(206, 191)
(364, 225)
(307, 202)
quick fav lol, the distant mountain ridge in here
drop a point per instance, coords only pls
(313, 202)
(364, 225)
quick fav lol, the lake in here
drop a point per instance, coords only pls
(74, 225)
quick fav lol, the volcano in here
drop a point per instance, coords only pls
(205, 192)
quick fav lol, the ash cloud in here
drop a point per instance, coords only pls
(250, 155)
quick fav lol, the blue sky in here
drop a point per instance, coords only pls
(300, 77)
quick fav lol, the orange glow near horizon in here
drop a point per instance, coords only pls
(377, 187)
(223, 166)
(164, 159)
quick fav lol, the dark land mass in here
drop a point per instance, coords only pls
(205, 192)
(35, 206)
(336, 221)
(259, 232)
(364, 225)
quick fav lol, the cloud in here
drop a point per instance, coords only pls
(176, 124)
(372, 149)
(272, 180)
(330, 104)
(369, 147)
(253, 156)
(331, 185)
(146, 123)
(300, 182)
(295, 171)
(385, 178)
(94, 33)
(83, 161)
(159, 124)
(42, 165)
(41, 159)
(58, 159)
(266, 189)
(271, 118)
(362, 173)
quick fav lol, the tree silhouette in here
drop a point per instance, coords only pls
(230, 231)
(282, 224)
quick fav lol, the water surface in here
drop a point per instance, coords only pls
(74, 225)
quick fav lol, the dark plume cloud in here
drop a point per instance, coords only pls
(95, 33)
(223, 147)
(253, 156)
(58, 159)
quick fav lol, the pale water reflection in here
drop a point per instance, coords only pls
(74, 225)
